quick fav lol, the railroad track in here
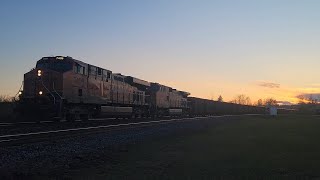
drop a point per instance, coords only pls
(50, 122)
(24, 123)
(51, 136)
(23, 138)
(28, 127)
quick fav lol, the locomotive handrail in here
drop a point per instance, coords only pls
(60, 106)
(54, 90)
(19, 90)
(54, 98)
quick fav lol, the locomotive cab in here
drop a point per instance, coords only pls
(43, 87)
(47, 78)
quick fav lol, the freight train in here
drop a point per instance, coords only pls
(63, 87)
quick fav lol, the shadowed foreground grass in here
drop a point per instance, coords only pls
(284, 146)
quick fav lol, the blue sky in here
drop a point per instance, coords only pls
(204, 47)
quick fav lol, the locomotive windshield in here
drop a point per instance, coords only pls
(58, 64)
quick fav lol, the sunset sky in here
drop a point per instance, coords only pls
(263, 49)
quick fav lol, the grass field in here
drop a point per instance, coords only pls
(284, 146)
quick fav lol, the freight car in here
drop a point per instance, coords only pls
(63, 87)
(201, 107)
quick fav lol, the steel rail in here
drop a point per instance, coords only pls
(23, 138)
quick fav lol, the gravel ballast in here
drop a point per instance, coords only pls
(53, 159)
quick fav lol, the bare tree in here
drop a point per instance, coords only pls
(242, 99)
(5, 98)
(248, 101)
(220, 99)
(312, 99)
(270, 102)
(260, 102)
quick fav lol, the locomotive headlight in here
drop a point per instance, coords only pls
(40, 92)
(39, 72)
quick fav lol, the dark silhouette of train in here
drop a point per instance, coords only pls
(63, 87)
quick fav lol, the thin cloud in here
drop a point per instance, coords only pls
(284, 103)
(269, 84)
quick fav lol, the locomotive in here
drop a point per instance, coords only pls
(63, 87)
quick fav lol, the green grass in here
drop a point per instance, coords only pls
(253, 146)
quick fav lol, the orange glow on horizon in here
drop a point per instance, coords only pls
(228, 90)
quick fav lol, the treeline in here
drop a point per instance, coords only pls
(246, 100)
(305, 106)
(310, 107)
